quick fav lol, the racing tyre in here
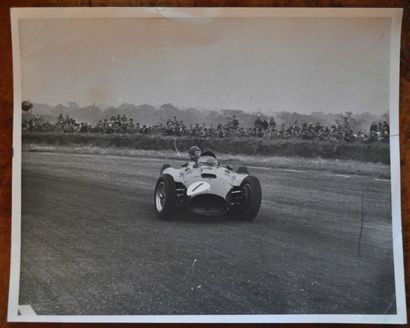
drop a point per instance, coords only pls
(252, 192)
(165, 166)
(242, 170)
(165, 196)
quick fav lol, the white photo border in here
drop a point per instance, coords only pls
(395, 14)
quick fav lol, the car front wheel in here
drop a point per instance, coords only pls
(252, 198)
(165, 196)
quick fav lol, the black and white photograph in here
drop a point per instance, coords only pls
(206, 165)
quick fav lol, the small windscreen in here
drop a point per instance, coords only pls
(208, 160)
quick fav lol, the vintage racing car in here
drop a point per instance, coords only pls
(207, 188)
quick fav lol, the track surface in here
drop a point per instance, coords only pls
(91, 244)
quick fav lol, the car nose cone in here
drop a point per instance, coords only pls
(198, 187)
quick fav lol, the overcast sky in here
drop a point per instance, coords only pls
(271, 64)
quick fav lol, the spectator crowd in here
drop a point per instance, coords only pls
(262, 128)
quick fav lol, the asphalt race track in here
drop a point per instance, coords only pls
(91, 244)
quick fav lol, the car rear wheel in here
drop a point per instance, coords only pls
(252, 192)
(165, 196)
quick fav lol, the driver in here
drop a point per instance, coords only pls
(209, 157)
(208, 152)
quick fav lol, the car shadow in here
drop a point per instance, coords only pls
(186, 216)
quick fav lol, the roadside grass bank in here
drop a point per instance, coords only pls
(350, 167)
(373, 152)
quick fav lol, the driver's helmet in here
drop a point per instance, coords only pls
(208, 152)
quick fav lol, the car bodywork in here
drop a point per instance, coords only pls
(207, 188)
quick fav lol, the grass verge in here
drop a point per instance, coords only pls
(374, 152)
(338, 166)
